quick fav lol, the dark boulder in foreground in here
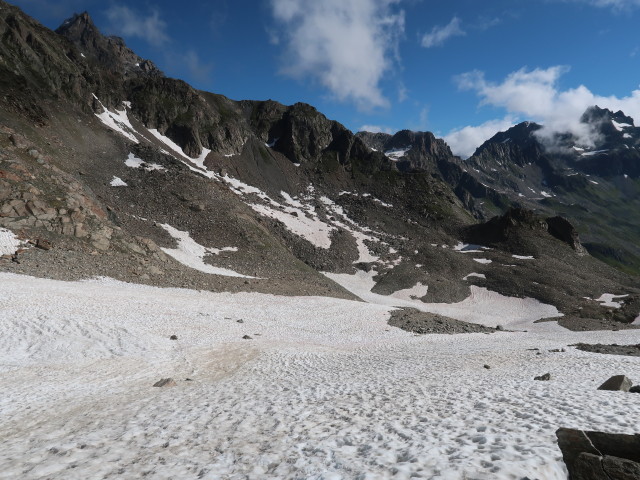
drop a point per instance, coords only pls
(599, 455)
(617, 383)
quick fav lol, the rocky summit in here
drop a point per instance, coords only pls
(197, 287)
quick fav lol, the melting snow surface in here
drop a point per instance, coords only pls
(9, 243)
(192, 254)
(117, 182)
(327, 390)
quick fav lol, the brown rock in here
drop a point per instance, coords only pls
(43, 244)
(18, 140)
(10, 176)
(165, 382)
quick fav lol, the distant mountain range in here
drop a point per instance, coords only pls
(597, 187)
(108, 167)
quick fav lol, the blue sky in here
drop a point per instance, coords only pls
(463, 69)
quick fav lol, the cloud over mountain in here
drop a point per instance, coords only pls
(535, 95)
(346, 47)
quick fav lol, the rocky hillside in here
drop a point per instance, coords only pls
(108, 167)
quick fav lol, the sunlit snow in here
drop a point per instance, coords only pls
(192, 254)
(117, 182)
(9, 242)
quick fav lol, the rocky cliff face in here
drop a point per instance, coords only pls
(109, 52)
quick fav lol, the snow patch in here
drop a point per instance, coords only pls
(118, 182)
(313, 230)
(482, 260)
(396, 154)
(414, 293)
(198, 162)
(118, 121)
(524, 257)
(620, 126)
(474, 274)
(595, 152)
(608, 300)
(9, 242)
(134, 162)
(192, 254)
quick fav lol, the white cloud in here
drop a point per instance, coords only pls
(346, 46)
(464, 141)
(129, 23)
(375, 129)
(616, 4)
(440, 34)
(535, 95)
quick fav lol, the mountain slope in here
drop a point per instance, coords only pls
(140, 177)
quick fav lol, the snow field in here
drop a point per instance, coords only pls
(482, 306)
(327, 390)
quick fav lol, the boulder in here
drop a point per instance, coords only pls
(617, 383)
(545, 377)
(165, 382)
(635, 389)
(598, 455)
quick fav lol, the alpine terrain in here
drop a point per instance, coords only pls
(198, 287)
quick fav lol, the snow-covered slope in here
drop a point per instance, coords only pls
(326, 389)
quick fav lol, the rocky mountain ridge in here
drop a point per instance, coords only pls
(129, 174)
(596, 186)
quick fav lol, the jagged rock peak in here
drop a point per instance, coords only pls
(521, 134)
(110, 51)
(596, 114)
(78, 24)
